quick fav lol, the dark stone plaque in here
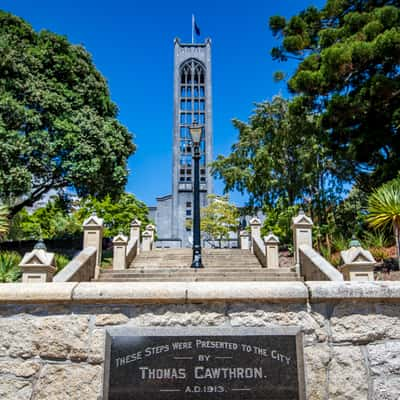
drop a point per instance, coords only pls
(171, 364)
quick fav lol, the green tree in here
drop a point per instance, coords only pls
(384, 210)
(348, 70)
(117, 214)
(58, 126)
(219, 218)
(281, 158)
(49, 222)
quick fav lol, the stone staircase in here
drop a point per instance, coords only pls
(219, 265)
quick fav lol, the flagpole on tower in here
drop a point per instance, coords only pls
(192, 28)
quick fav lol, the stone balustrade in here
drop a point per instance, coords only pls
(81, 268)
(314, 267)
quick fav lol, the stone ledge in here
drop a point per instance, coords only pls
(367, 291)
(36, 292)
(130, 292)
(293, 292)
(197, 292)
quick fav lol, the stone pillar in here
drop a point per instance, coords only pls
(255, 230)
(302, 234)
(358, 264)
(135, 233)
(135, 229)
(38, 266)
(244, 240)
(120, 243)
(152, 229)
(93, 235)
(272, 250)
(147, 240)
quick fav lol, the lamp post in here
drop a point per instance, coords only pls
(195, 133)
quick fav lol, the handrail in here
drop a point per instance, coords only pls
(314, 267)
(81, 268)
(259, 250)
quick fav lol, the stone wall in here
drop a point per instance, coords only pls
(52, 335)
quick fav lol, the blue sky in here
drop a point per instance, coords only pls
(132, 45)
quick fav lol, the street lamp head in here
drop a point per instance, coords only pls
(195, 133)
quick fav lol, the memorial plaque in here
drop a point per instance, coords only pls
(171, 364)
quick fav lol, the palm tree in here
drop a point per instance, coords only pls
(9, 269)
(4, 223)
(384, 210)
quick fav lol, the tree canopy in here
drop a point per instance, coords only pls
(349, 53)
(58, 125)
(280, 157)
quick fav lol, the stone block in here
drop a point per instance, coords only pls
(316, 361)
(55, 337)
(19, 368)
(348, 375)
(362, 323)
(12, 389)
(181, 315)
(69, 382)
(111, 319)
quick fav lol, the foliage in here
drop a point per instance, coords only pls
(281, 161)
(375, 239)
(219, 218)
(4, 222)
(384, 209)
(49, 222)
(350, 214)
(278, 220)
(58, 126)
(278, 156)
(117, 214)
(349, 71)
(61, 261)
(9, 269)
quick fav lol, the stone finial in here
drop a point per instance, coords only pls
(93, 235)
(93, 221)
(358, 264)
(302, 219)
(272, 250)
(38, 265)
(120, 243)
(136, 223)
(271, 238)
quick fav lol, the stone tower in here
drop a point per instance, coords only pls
(192, 103)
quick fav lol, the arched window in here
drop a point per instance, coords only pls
(192, 107)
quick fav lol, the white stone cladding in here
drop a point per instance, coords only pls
(52, 335)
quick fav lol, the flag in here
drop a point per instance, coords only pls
(196, 28)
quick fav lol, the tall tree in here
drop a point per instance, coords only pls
(280, 157)
(349, 69)
(58, 126)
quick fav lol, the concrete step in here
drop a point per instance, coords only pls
(201, 279)
(221, 269)
(196, 274)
